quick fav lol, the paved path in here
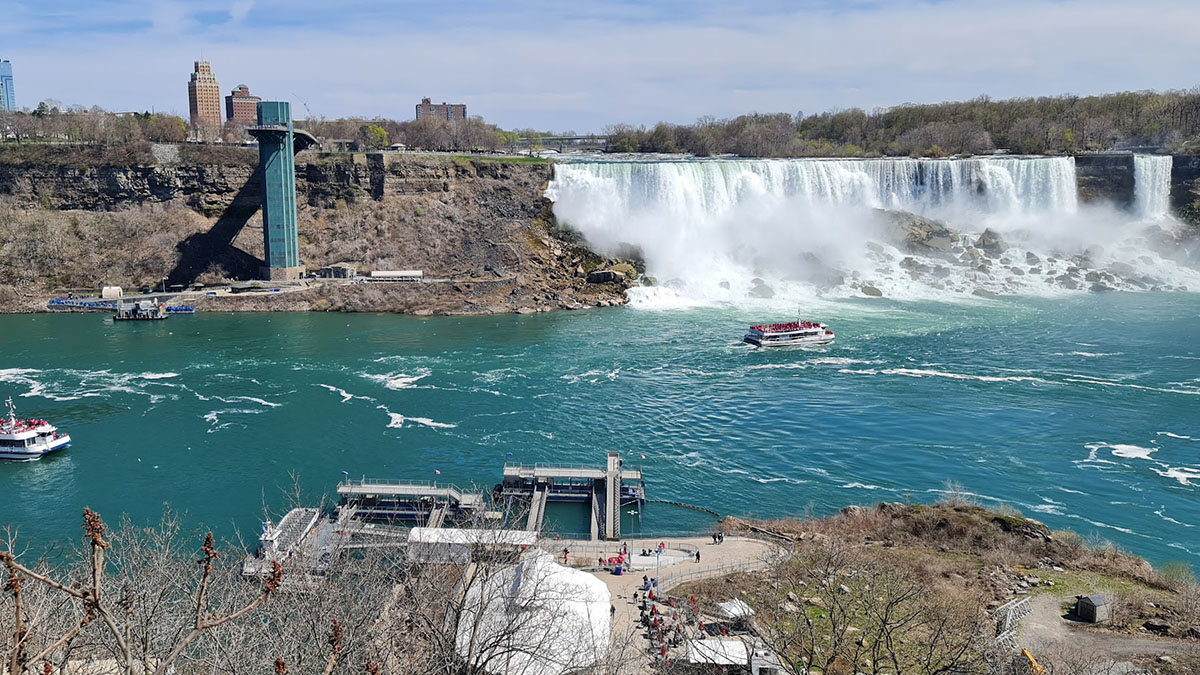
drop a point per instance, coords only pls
(714, 561)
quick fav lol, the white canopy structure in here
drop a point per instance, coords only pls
(535, 618)
(735, 609)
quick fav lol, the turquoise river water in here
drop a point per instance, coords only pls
(1082, 411)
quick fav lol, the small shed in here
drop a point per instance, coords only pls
(1093, 608)
(340, 270)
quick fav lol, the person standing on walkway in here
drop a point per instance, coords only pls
(697, 556)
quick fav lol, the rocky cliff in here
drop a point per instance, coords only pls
(479, 225)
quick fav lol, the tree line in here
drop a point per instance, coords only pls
(50, 121)
(1169, 121)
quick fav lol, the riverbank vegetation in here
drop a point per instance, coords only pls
(914, 589)
(1045, 125)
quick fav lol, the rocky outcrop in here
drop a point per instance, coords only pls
(990, 243)
(479, 228)
(1105, 178)
(917, 234)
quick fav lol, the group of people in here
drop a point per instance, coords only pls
(718, 537)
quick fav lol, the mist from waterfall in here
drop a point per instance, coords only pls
(1152, 186)
(716, 229)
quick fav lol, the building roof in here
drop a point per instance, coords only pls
(735, 609)
(450, 535)
(718, 652)
(1096, 599)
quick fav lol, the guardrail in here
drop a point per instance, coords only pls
(635, 545)
(671, 579)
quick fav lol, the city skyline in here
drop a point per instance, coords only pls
(556, 67)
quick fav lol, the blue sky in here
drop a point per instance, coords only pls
(582, 65)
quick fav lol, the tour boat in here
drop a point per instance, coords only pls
(27, 440)
(788, 334)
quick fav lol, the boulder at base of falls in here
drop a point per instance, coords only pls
(605, 277)
(990, 243)
(871, 291)
(916, 234)
(984, 293)
(1031, 258)
(761, 290)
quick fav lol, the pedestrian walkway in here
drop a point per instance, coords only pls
(732, 554)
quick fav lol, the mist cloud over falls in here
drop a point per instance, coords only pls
(724, 230)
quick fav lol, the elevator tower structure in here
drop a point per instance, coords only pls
(278, 143)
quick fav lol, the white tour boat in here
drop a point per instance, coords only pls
(789, 334)
(27, 440)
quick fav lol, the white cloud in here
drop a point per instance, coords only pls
(584, 71)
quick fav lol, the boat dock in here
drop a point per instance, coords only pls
(380, 513)
(605, 490)
(417, 501)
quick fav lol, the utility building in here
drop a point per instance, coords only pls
(278, 144)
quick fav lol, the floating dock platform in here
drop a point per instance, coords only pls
(606, 490)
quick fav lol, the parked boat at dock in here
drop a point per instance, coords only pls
(27, 440)
(140, 310)
(791, 333)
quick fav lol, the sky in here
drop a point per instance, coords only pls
(579, 66)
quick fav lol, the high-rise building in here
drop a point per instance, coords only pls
(445, 111)
(204, 102)
(241, 107)
(8, 98)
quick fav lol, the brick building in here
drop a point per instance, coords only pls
(241, 107)
(445, 111)
(204, 102)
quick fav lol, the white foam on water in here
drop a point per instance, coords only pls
(1094, 355)
(860, 486)
(156, 376)
(346, 396)
(925, 372)
(837, 361)
(247, 399)
(1181, 437)
(398, 381)
(592, 376)
(1161, 514)
(213, 417)
(1185, 475)
(398, 421)
(1130, 451)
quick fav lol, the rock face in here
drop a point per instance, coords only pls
(917, 234)
(1105, 178)
(990, 243)
(481, 224)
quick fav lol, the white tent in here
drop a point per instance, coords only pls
(535, 618)
(735, 609)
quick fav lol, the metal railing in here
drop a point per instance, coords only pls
(671, 579)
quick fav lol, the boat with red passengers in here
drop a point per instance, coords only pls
(27, 440)
(791, 333)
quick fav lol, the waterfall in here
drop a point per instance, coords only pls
(1151, 186)
(718, 229)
